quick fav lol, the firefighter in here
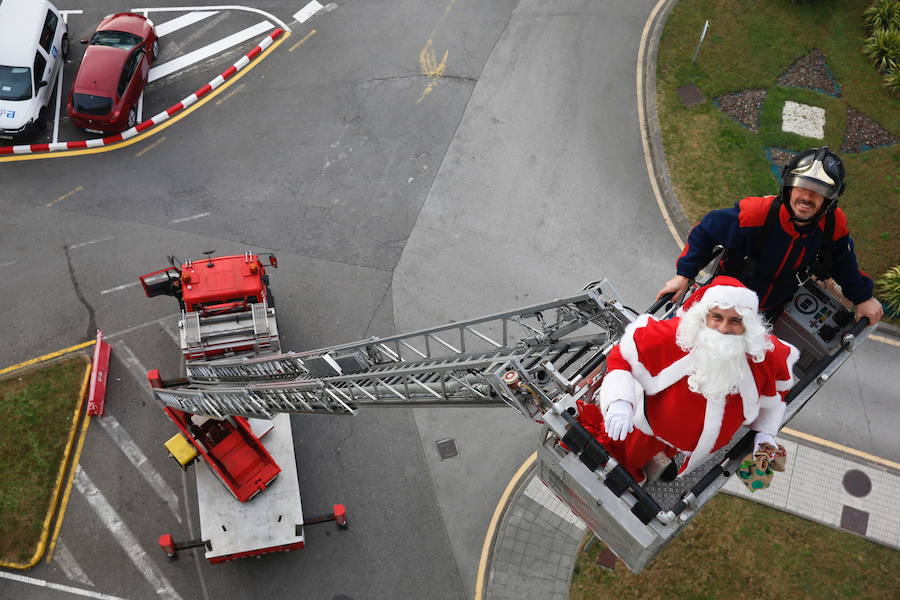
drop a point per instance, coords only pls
(773, 243)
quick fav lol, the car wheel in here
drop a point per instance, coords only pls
(64, 47)
(155, 50)
(41, 121)
(132, 118)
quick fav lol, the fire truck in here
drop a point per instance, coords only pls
(534, 360)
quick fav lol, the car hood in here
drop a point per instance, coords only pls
(21, 111)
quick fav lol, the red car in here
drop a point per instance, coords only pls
(113, 74)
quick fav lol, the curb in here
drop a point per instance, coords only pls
(155, 120)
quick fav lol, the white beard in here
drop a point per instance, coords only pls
(717, 361)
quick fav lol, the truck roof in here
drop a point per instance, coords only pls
(222, 279)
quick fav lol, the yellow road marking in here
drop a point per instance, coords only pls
(303, 39)
(64, 196)
(845, 449)
(230, 94)
(34, 361)
(884, 340)
(153, 131)
(430, 67)
(495, 520)
(151, 146)
(79, 412)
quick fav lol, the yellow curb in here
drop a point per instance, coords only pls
(841, 448)
(45, 528)
(39, 359)
(495, 520)
(154, 130)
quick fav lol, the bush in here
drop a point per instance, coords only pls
(889, 289)
(892, 82)
(883, 49)
(883, 14)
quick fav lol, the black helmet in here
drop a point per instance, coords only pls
(818, 170)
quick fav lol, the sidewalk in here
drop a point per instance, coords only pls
(538, 537)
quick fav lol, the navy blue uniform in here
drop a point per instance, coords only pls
(784, 250)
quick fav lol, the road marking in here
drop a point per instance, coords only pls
(230, 94)
(66, 195)
(83, 244)
(123, 535)
(258, 11)
(182, 21)
(120, 287)
(151, 146)
(877, 338)
(56, 586)
(137, 458)
(308, 11)
(842, 448)
(198, 563)
(66, 561)
(495, 522)
(68, 12)
(33, 361)
(191, 218)
(430, 67)
(7, 264)
(186, 60)
(305, 37)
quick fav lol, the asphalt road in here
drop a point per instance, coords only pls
(409, 163)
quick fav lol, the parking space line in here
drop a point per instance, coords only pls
(151, 146)
(119, 287)
(139, 460)
(305, 13)
(182, 21)
(89, 243)
(66, 561)
(66, 195)
(196, 56)
(124, 536)
(56, 586)
(258, 11)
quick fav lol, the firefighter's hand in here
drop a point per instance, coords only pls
(870, 308)
(619, 420)
(678, 285)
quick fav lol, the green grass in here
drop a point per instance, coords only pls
(714, 161)
(737, 549)
(38, 406)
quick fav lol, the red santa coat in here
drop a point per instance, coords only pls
(650, 370)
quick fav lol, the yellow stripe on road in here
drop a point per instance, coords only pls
(64, 196)
(301, 40)
(842, 448)
(885, 340)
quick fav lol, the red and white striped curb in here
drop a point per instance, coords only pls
(156, 120)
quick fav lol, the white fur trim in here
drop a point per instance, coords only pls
(668, 376)
(748, 392)
(730, 296)
(794, 354)
(617, 385)
(712, 426)
(769, 419)
(640, 417)
(769, 401)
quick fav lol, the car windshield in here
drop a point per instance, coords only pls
(116, 39)
(15, 83)
(91, 105)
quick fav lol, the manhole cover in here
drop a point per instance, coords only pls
(447, 449)
(690, 94)
(857, 483)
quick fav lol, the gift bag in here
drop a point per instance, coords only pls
(758, 468)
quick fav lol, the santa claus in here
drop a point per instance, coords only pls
(687, 384)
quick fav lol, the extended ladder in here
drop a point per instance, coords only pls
(515, 358)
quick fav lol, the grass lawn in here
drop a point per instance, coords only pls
(738, 549)
(38, 407)
(714, 160)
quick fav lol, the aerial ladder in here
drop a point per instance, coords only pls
(535, 360)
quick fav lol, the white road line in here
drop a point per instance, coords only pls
(66, 561)
(133, 363)
(182, 21)
(137, 458)
(59, 84)
(7, 264)
(91, 242)
(191, 218)
(123, 535)
(196, 56)
(120, 287)
(197, 560)
(308, 11)
(258, 11)
(66, 13)
(55, 586)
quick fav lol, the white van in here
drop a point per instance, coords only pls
(34, 41)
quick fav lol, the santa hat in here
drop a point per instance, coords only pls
(724, 292)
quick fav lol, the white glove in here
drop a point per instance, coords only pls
(619, 420)
(763, 438)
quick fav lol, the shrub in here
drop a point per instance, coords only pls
(889, 289)
(882, 14)
(892, 82)
(883, 49)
